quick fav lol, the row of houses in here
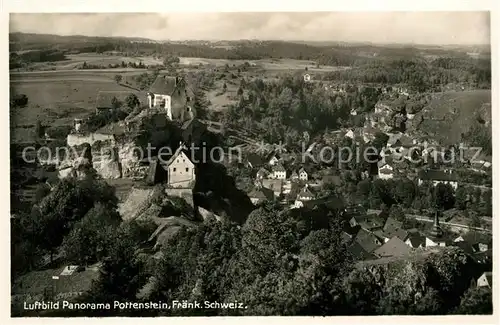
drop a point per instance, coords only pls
(372, 235)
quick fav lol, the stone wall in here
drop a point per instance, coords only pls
(76, 139)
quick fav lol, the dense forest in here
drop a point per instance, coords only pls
(420, 75)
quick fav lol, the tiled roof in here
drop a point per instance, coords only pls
(372, 222)
(394, 247)
(359, 252)
(163, 85)
(437, 175)
(262, 172)
(386, 171)
(391, 225)
(278, 168)
(261, 193)
(351, 231)
(305, 193)
(330, 203)
(466, 247)
(177, 153)
(393, 138)
(399, 233)
(367, 240)
(416, 239)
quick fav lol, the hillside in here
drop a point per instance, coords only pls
(336, 54)
(451, 114)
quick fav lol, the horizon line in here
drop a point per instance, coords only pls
(258, 39)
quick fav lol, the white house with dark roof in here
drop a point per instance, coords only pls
(385, 171)
(180, 170)
(303, 196)
(303, 175)
(172, 95)
(485, 280)
(278, 172)
(437, 177)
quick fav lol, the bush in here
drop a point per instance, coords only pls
(19, 100)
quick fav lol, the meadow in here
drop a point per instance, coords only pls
(57, 97)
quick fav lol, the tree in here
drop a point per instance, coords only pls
(89, 240)
(39, 129)
(118, 78)
(115, 103)
(486, 205)
(443, 196)
(41, 191)
(122, 273)
(476, 301)
(461, 198)
(474, 220)
(66, 204)
(224, 87)
(380, 141)
(132, 101)
(170, 60)
(19, 100)
(396, 212)
(240, 91)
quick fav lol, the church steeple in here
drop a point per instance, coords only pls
(436, 229)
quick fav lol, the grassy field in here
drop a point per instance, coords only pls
(57, 97)
(450, 114)
(73, 61)
(267, 64)
(219, 100)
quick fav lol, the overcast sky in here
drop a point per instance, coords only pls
(377, 27)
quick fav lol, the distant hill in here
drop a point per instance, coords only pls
(33, 38)
(325, 53)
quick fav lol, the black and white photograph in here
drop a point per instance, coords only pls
(173, 164)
